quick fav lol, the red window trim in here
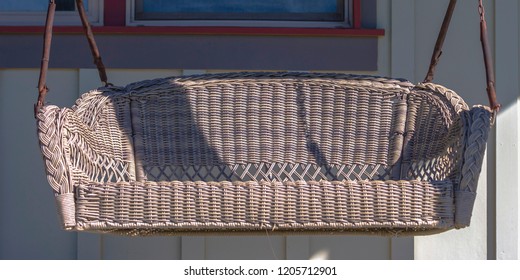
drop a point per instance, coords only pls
(115, 23)
(196, 30)
(114, 13)
(356, 14)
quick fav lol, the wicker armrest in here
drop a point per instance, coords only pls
(101, 151)
(50, 131)
(477, 130)
(83, 145)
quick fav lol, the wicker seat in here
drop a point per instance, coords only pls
(250, 152)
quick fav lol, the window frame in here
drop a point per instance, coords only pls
(346, 43)
(349, 21)
(114, 16)
(62, 18)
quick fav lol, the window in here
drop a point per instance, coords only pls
(252, 37)
(33, 12)
(270, 13)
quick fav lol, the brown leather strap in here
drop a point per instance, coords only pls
(488, 59)
(47, 38)
(437, 51)
(92, 42)
(42, 82)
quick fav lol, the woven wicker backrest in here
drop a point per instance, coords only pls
(298, 127)
(274, 127)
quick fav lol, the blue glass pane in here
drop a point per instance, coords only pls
(23, 6)
(65, 5)
(240, 6)
(30, 5)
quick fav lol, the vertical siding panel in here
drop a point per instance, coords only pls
(507, 126)
(122, 77)
(402, 65)
(349, 248)
(460, 68)
(193, 248)
(29, 227)
(141, 248)
(403, 38)
(265, 247)
(89, 246)
(297, 247)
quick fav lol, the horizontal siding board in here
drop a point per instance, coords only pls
(196, 52)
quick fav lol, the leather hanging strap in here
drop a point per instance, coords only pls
(437, 51)
(42, 82)
(92, 42)
(488, 59)
(44, 66)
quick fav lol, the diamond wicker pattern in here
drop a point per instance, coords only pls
(249, 152)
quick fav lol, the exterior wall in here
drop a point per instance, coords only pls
(138, 51)
(507, 154)
(28, 230)
(461, 69)
(28, 222)
(494, 229)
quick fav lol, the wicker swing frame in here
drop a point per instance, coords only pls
(246, 153)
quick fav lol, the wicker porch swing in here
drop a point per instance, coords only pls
(255, 152)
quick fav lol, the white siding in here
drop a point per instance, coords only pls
(461, 69)
(507, 140)
(28, 221)
(493, 232)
